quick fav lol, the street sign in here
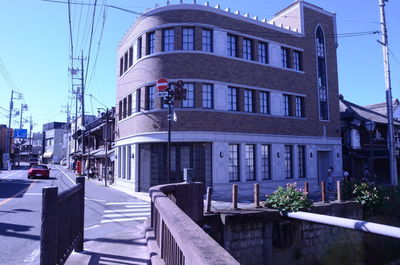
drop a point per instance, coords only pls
(161, 94)
(162, 84)
(20, 133)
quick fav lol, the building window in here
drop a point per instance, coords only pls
(250, 162)
(151, 42)
(286, 105)
(208, 95)
(288, 162)
(150, 97)
(264, 102)
(139, 48)
(285, 57)
(232, 99)
(126, 62)
(302, 161)
(188, 39)
(265, 161)
(247, 54)
(168, 40)
(189, 101)
(299, 107)
(233, 168)
(232, 43)
(130, 105)
(248, 100)
(130, 56)
(322, 85)
(124, 112)
(121, 66)
(262, 52)
(138, 99)
(207, 40)
(297, 61)
(120, 110)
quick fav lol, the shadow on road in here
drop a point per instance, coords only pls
(14, 230)
(10, 187)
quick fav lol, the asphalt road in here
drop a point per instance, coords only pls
(106, 211)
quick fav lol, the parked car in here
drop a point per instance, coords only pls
(38, 171)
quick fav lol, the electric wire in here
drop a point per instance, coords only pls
(90, 42)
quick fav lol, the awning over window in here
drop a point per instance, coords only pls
(47, 154)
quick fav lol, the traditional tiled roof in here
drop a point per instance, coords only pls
(381, 107)
(349, 109)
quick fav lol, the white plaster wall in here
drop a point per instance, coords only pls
(135, 48)
(276, 103)
(220, 97)
(220, 42)
(337, 161)
(134, 101)
(220, 164)
(311, 164)
(275, 54)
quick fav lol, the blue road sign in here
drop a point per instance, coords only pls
(20, 133)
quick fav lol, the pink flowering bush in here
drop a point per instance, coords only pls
(288, 199)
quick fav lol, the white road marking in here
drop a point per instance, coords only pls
(96, 200)
(90, 227)
(127, 203)
(121, 211)
(123, 220)
(125, 215)
(137, 206)
(12, 174)
(32, 194)
(32, 256)
(73, 182)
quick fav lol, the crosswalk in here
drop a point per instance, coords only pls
(126, 211)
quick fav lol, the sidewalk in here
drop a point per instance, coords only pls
(124, 247)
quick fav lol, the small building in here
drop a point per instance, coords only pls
(53, 136)
(365, 143)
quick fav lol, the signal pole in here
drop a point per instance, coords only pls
(389, 105)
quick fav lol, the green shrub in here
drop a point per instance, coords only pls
(369, 197)
(288, 199)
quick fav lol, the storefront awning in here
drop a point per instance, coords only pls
(47, 154)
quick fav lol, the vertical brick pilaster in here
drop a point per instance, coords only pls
(198, 38)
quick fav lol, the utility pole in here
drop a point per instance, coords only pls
(67, 131)
(83, 108)
(23, 107)
(389, 105)
(106, 145)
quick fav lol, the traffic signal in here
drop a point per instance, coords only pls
(179, 91)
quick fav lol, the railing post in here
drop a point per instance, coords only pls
(323, 192)
(339, 191)
(81, 209)
(256, 195)
(209, 192)
(49, 228)
(306, 188)
(235, 196)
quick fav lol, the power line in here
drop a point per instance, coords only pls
(70, 29)
(7, 76)
(97, 100)
(91, 38)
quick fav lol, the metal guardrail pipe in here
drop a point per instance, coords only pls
(353, 224)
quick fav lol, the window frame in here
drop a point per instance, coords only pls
(207, 41)
(301, 157)
(151, 93)
(208, 96)
(189, 102)
(233, 99)
(264, 102)
(248, 100)
(232, 45)
(266, 162)
(286, 105)
(234, 162)
(188, 38)
(285, 57)
(288, 158)
(299, 106)
(297, 61)
(247, 49)
(168, 39)
(250, 158)
(263, 52)
(151, 39)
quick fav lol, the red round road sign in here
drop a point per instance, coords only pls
(162, 84)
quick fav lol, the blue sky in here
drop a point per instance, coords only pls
(35, 50)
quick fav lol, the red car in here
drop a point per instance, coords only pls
(39, 171)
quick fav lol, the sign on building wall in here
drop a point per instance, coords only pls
(355, 139)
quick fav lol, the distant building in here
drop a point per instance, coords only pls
(53, 134)
(261, 104)
(5, 145)
(365, 144)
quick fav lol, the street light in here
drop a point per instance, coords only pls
(370, 126)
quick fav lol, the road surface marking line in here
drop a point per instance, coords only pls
(96, 200)
(73, 182)
(123, 220)
(138, 206)
(32, 194)
(90, 227)
(32, 256)
(121, 203)
(108, 216)
(15, 195)
(12, 174)
(123, 210)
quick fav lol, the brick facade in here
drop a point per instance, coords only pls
(222, 71)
